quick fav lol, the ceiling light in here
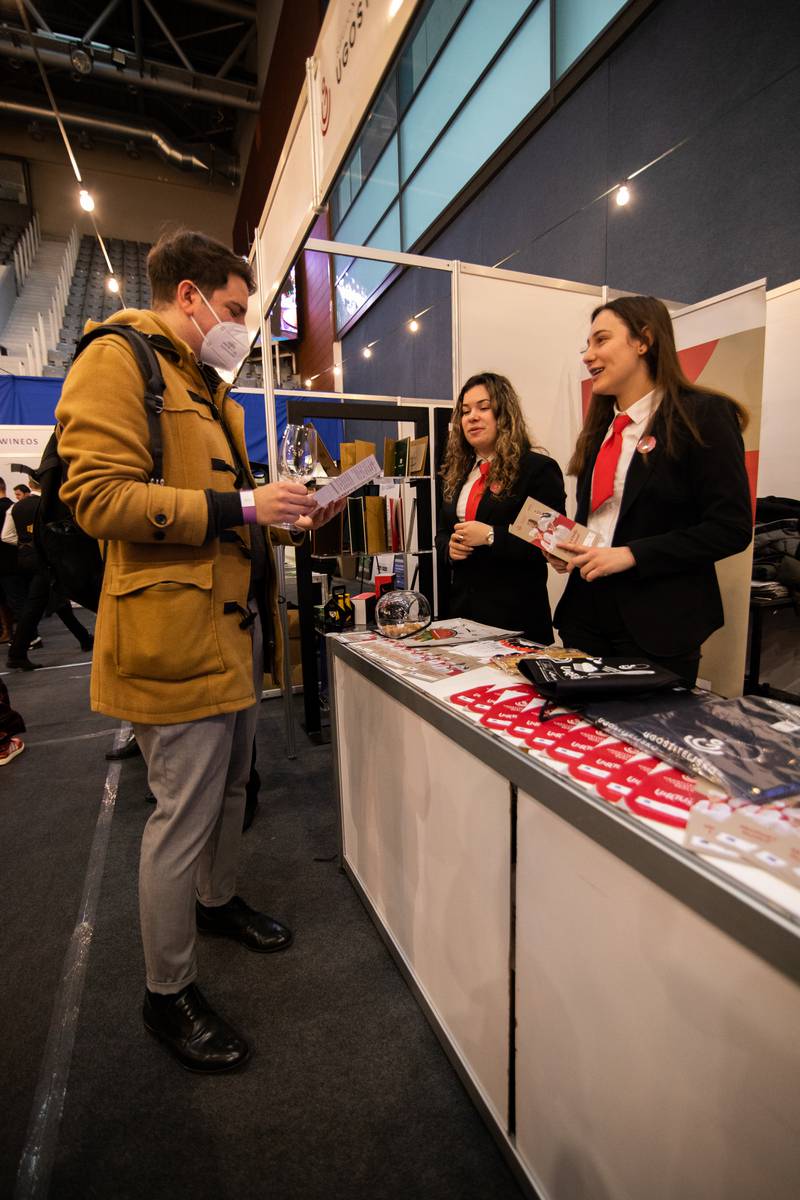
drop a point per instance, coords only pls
(413, 325)
(307, 382)
(112, 283)
(367, 352)
(81, 59)
(623, 195)
(87, 202)
(337, 370)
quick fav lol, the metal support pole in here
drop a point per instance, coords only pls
(163, 27)
(101, 20)
(272, 455)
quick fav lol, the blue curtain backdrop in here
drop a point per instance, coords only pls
(30, 400)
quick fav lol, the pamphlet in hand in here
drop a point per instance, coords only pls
(349, 481)
(550, 531)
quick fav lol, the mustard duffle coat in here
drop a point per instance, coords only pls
(168, 642)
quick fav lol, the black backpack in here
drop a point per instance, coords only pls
(74, 561)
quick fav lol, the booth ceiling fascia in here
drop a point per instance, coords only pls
(378, 38)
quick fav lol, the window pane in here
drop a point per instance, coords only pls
(358, 278)
(416, 58)
(378, 128)
(482, 31)
(518, 80)
(375, 197)
(578, 23)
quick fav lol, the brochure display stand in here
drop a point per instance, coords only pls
(620, 1009)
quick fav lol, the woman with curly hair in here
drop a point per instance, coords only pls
(661, 478)
(490, 468)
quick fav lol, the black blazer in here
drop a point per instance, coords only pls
(504, 584)
(678, 517)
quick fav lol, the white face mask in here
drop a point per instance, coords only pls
(225, 345)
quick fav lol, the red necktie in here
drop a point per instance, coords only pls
(606, 462)
(476, 492)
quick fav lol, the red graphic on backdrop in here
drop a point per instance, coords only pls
(695, 359)
(325, 105)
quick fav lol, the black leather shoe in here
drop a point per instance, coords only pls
(128, 749)
(21, 664)
(187, 1025)
(250, 806)
(239, 921)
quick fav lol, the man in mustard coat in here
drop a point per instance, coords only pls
(188, 613)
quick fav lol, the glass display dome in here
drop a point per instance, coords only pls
(402, 614)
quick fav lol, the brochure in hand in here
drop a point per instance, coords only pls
(546, 528)
(348, 482)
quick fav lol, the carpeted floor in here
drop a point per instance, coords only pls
(348, 1093)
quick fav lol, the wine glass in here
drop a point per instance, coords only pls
(298, 457)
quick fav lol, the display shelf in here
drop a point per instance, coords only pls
(302, 408)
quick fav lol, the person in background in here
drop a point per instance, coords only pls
(662, 479)
(8, 559)
(33, 580)
(11, 724)
(21, 490)
(489, 469)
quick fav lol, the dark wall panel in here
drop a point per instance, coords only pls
(403, 363)
(720, 211)
(536, 208)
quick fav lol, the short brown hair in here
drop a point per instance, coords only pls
(187, 254)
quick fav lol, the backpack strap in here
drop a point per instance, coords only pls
(147, 362)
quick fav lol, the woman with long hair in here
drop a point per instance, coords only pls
(489, 469)
(662, 481)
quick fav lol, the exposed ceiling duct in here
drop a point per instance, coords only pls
(209, 162)
(121, 67)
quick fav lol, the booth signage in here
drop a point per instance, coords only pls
(21, 444)
(356, 44)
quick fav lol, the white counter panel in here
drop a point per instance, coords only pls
(426, 830)
(656, 1057)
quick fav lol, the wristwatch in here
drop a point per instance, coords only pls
(490, 538)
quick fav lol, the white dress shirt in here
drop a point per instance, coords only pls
(604, 519)
(463, 495)
(9, 533)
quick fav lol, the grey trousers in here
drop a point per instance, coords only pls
(190, 848)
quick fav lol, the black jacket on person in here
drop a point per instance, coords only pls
(23, 515)
(504, 584)
(678, 517)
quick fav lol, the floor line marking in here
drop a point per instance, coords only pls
(75, 737)
(60, 667)
(38, 1156)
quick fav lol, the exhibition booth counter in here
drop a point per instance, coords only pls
(617, 1004)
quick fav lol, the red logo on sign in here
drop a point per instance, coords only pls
(325, 106)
